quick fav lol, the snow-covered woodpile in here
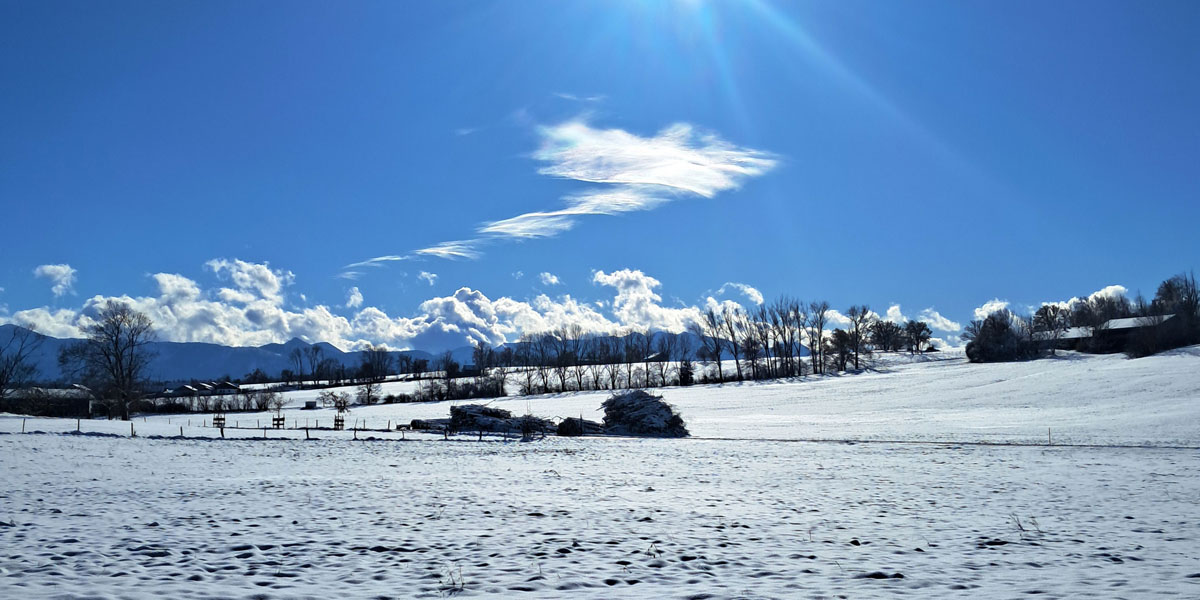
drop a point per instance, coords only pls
(640, 413)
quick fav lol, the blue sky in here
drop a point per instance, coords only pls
(225, 160)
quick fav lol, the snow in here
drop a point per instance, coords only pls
(741, 509)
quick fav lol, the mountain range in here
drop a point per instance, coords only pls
(186, 361)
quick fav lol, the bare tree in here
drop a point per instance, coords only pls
(16, 368)
(376, 363)
(842, 346)
(860, 322)
(667, 345)
(918, 334)
(368, 393)
(815, 330)
(113, 354)
(1051, 322)
(708, 329)
(734, 321)
(297, 358)
(887, 336)
(313, 355)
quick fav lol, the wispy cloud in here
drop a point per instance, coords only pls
(378, 261)
(530, 225)
(677, 157)
(62, 278)
(577, 98)
(643, 172)
(426, 276)
(549, 278)
(351, 271)
(453, 250)
(639, 173)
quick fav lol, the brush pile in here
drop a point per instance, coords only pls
(637, 413)
(477, 417)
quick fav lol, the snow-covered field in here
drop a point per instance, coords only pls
(740, 510)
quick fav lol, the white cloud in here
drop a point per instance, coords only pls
(636, 303)
(518, 274)
(354, 298)
(677, 157)
(453, 250)
(253, 278)
(894, 315)
(62, 278)
(938, 322)
(426, 276)
(990, 307)
(576, 98)
(378, 261)
(1112, 291)
(836, 318)
(548, 278)
(251, 312)
(641, 172)
(749, 292)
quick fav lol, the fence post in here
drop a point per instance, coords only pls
(131, 432)
(306, 433)
(76, 425)
(181, 431)
(22, 425)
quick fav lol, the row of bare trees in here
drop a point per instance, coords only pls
(376, 364)
(768, 341)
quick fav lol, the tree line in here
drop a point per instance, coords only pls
(1170, 320)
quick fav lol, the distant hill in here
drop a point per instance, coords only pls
(184, 361)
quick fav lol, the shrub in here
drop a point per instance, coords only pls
(1001, 336)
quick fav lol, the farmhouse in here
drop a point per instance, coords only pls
(1112, 335)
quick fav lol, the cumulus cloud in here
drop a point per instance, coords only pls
(933, 318)
(252, 279)
(749, 292)
(61, 277)
(250, 311)
(990, 307)
(426, 276)
(938, 322)
(835, 318)
(637, 304)
(354, 298)
(894, 315)
(548, 278)
(1109, 292)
